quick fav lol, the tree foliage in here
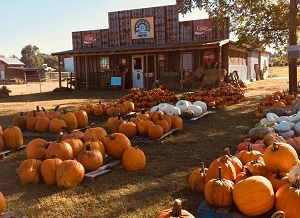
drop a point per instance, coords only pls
(30, 56)
(256, 23)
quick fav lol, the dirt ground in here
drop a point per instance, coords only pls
(34, 87)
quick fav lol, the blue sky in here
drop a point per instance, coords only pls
(48, 24)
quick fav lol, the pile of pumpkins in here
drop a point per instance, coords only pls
(43, 121)
(109, 109)
(255, 182)
(220, 97)
(145, 100)
(153, 124)
(65, 161)
(277, 101)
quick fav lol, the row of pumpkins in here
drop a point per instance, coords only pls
(51, 120)
(277, 102)
(255, 181)
(220, 97)
(80, 151)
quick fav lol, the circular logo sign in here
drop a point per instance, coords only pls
(142, 28)
(209, 57)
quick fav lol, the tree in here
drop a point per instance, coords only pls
(255, 23)
(50, 60)
(30, 56)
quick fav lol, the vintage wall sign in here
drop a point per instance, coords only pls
(209, 57)
(89, 39)
(142, 28)
(203, 29)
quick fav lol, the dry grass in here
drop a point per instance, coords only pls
(130, 194)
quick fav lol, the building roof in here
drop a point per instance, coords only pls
(141, 48)
(11, 61)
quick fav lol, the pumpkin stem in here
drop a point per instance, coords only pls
(255, 159)
(248, 172)
(88, 147)
(66, 129)
(56, 108)
(112, 137)
(278, 174)
(227, 151)
(220, 173)
(59, 137)
(249, 147)
(93, 124)
(202, 167)
(176, 211)
(278, 214)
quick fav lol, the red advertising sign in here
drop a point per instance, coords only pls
(209, 57)
(89, 39)
(203, 29)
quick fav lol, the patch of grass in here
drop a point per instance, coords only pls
(125, 194)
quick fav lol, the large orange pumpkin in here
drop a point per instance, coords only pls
(69, 174)
(227, 169)
(254, 195)
(82, 118)
(70, 119)
(91, 159)
(197, 178)
(29, 171)
(133, 159)
(62, 149)
(97, 132)
(36, 149)
(13, 137)
(288, 199)
(48, 170)
(218, 192)
(281, 156)
(129, 129)
(116, 144)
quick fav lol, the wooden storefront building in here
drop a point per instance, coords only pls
(150, 46)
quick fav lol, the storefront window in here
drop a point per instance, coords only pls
(104, 63)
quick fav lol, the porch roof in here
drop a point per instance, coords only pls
(140, 48)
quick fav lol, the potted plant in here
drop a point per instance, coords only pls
(4, 91)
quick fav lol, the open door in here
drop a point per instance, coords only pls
(137, 71)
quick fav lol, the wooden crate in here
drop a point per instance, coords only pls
(108, 165)
(147, 140)
(6, 152)
(193, 120)
(206, 210)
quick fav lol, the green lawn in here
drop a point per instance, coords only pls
(282, 71)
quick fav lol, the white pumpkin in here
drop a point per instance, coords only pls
(287, 134)
(183, 105)
(202, 105)
(282, 127)
(196, 109)
(174, 111)
(164, 107)
(294, 173)
(154, 108)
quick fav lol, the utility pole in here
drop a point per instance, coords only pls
(293, 22)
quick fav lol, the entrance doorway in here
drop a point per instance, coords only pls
(137, 71)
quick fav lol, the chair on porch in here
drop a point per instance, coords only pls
(105, 79)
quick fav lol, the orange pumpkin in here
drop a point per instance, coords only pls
(288, 200)
(133, 159)
(62, 149)
(13, 137)
(116, 144)
(69, 174)
(246, 197)
(248, 155)
(129, 129)
(155, 131)
(97, 132)
(279, 179)
(82, 118)
(197, 178)
(218, 191)
(91, 159)
(70, 119)
(36, 149)
(48, 170)
(174, 212)
(29, 171)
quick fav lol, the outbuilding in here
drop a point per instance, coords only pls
(147, 47)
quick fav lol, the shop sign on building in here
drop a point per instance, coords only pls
(209, 57)
(89, 39)
(203, 29)
(142, 28)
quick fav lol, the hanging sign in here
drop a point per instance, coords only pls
(209, 57)
(203, 29)
(89, 39)
(142, 28)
